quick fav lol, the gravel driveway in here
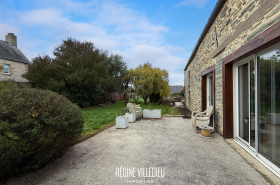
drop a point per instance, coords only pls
(162, 151)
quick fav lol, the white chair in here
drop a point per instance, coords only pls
(202, 119)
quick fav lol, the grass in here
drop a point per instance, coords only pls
(100, 118)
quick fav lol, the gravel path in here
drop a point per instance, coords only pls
(168, 147)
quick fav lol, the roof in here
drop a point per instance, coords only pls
(176, 88)
(215, 12)
(12, 53)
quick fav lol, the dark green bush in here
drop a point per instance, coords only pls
(35, 127)
(90, 96)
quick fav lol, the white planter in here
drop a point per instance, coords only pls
(154, 113)
(121, 122)
(131, 117)
(138, 114)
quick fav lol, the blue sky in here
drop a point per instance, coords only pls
(162, 32)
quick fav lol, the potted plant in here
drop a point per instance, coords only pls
(121, 121)
(151, 113)
(138, 111)
(131, 116)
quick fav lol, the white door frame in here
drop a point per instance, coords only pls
(209, 93)
(236, 100)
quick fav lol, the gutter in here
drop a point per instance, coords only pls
(214, 14)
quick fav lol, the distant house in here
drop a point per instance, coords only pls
(14, 62)
(176, 88)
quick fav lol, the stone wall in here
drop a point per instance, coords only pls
(238, 22)
(16, 70)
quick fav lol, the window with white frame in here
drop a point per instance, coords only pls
(6, 69)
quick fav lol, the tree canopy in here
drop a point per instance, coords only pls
(148, 80)
(78, 71)
(117, 70)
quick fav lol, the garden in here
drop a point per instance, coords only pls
(99, 118)
(67, 100)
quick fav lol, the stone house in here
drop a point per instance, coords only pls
(174, 89)
(14, 62)
(235, 66)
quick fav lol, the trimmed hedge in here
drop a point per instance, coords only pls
(35, 126)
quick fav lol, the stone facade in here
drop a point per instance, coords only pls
(238, 22)
(14, 58)
(16, 71)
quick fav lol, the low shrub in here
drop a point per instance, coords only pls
(135, 100)
(35, 126)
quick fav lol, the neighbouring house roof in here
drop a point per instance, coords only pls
(215, 12)
(12, 53)
(176, 88)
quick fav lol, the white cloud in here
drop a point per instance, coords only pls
(179, 82)
(127, 20)
(157, 56)
(193, 3)
(5, 29)
(46, 17)
(110, 26)
(107, 44)
(176, 78)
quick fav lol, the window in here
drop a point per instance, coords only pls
(6, 69)
(189, 81)
(189, 87)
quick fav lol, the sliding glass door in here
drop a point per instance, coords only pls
(245, 75)
(269, 105)
(257, 104)
(243, 100)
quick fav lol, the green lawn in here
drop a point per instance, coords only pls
(100, 118)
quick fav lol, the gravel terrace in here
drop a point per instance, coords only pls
(168, 146)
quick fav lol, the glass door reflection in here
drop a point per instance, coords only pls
(243, 95)
(246, 102)
(269, 105)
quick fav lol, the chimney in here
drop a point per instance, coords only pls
(11, 39)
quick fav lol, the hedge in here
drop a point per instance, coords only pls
(35, 126)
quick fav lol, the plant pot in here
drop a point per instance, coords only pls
(131, 117)
(153, 113)
(121, 122)
(138, 114)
